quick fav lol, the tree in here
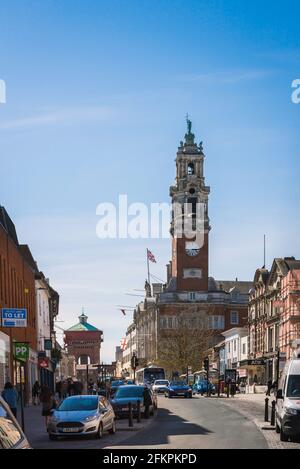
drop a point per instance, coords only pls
(187, 343)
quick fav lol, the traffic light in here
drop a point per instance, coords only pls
(206, 364)
(134, 361)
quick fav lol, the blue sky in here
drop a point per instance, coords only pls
(97, 94)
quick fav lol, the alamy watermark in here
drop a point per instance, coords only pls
(296, 93)
(2, 92)
(137, 220)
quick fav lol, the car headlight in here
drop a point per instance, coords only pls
(290, 411)
(90, 418)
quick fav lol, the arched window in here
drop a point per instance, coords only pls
(191, 169)
(84, 360)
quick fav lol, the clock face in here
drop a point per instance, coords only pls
(192, 248)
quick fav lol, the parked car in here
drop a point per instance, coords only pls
(288, 401)
(160, 385)
(11, 434)
(179, 388)
(132, 393)
(200, 387)
(82, 415)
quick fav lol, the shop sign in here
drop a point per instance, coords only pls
(253, 362)
(21, 351)
(43, 362)
(13, 317)
(47, 344)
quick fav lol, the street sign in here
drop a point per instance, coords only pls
(13, 317)
(21, 351)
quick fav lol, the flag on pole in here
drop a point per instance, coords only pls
(123, 311)
(123, 343)
(150, 256)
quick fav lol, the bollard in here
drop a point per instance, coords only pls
(266, 409)
(273, 413)
(138, 411)
(227, 389)
(130, 424)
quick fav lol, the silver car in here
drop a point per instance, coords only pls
(82, 416)
(11, 434)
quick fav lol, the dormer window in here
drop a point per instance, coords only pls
(190, 169)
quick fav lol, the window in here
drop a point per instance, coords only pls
(192, 296)
(190, 170)
(234, 345)
(234, 317)
(170, 323)
(216, 322)
(244, 349)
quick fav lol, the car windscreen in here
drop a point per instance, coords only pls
(10, 435)
(127, 391)
(77, 404)
(293, 387)
(117, 383)
(161, 382)
(177, 383)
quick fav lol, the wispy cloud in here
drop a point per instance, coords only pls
(61, 117)
(229, 77)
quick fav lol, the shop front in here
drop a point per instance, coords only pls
(5, 371)
(255, 370)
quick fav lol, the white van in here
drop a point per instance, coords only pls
(288, 400)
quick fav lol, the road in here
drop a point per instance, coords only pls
(196, 423)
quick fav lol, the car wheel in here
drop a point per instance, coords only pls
(113, 429)
(99, 433)
(283, 436)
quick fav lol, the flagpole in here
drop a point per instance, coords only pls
(148, 269)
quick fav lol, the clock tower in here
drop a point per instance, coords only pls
(190, 213)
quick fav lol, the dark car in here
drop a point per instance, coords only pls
(179, 388)
(133, 393)
(11, 434)
(200, 387)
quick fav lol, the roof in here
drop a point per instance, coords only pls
(8, 225)
(228, 285)
(83, 327)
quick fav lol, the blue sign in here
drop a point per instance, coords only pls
(13, 317)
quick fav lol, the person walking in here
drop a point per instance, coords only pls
(47, 401)
(36, 389)
(10, 396)
(269, 387)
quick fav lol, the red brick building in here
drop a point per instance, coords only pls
(189, 288)
(17, 290)
(84, 342)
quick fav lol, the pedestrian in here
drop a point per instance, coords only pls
(90, 386)
(48, 402)
(269, 387)
(64, 389)
(147, 402)
(58, 389)
(36, 389)
(10, 396)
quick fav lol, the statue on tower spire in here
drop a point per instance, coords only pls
(189, 136)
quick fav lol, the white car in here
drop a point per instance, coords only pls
(160, 385)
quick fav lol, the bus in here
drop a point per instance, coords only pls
(149, 374)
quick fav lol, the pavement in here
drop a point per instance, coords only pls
(252, 406)
(35, 430)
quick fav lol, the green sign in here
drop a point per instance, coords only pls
(47, 344)
(21, 351)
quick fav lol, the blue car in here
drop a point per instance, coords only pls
(178, 388)
(200, 387)
(132, 393)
